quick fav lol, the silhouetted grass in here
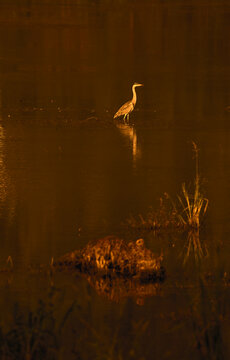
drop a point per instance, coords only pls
(34, 335)
(208, 312)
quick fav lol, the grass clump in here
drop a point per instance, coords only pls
(164, 218)
(183, 214)
(192, 207)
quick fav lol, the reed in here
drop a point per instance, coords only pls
(184, 213)
(192, 206)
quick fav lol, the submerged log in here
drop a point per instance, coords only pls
(114, 256)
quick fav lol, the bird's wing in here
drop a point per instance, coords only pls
(124, 109)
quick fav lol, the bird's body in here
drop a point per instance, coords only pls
(128, 107)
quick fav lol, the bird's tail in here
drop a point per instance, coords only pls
(118, 113)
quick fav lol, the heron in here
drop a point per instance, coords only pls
(128, 107)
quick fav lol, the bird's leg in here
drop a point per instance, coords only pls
(128, 118)
(124, 117)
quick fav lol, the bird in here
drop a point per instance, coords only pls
(128, 107)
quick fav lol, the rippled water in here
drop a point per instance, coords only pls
(70, 174)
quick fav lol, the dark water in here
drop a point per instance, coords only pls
(70, 174)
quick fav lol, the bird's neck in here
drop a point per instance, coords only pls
(134, 99)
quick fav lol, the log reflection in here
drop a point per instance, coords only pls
(116, 288)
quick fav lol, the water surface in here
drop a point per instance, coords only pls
(70, 174)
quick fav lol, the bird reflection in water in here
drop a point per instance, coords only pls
(125, 128)
(3, 175)
(5, 181)
(129, 132)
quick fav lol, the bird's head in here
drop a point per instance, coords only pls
(137, 84)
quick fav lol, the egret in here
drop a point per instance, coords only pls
(128, 107)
